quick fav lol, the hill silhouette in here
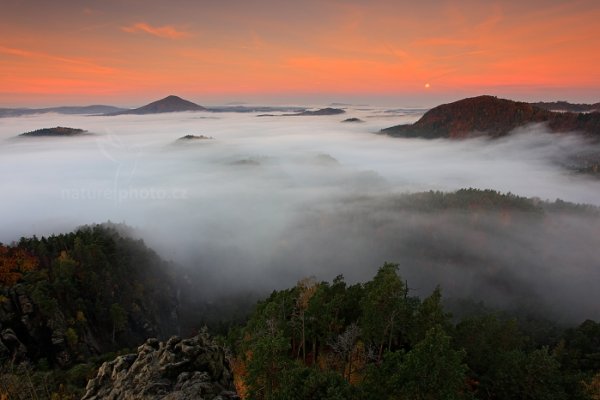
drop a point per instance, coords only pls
(168, 104)
(59, 131)
(494, 117)
(322, 111)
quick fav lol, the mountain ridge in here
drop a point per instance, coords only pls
(562, 105)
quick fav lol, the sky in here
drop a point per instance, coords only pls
(130, 52)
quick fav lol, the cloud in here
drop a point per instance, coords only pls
(91, 11)
(167, 31)
(444, 41)
(73, 64)
(16, 52)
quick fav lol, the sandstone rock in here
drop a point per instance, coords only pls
(25, 304)
(177, 369)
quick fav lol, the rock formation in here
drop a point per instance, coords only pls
(177, 369)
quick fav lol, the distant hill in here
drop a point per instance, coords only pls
(166, 105)
(353, 120)
(59, 131)
(494, 117)
(566, 106)
(323, 111)
(95, 109)
(110, 110)
(195, 137)
(319, 112)
(252, 109)
(85, 110)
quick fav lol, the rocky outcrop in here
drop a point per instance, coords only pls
(27, 334)
(10, 346)
(493, 117)
(194, 368)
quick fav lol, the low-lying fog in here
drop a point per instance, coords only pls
(270, 200)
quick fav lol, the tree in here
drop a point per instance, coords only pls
(64, 283)
(520, 375)
(343, 346)
(592, 387)
(430, 313)
(267, 359)
(485, 339)
(581, 347)
(14, 262)
(384, 307)
(118, 317)
(382, 380)
(72, 338)
(433, 369)
(302, 383)
(306, 289)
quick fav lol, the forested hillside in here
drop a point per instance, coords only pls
(69, 298)
(331, 340)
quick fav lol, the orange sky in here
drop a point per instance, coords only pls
(129, 52)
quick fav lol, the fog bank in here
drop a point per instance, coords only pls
(271, 200)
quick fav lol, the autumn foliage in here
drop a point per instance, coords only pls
(14, 262)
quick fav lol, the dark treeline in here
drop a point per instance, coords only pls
(321, 340)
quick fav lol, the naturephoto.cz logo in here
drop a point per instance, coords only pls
(124, 194)
(120, 186)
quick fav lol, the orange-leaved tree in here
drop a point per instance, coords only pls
(14, 262)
